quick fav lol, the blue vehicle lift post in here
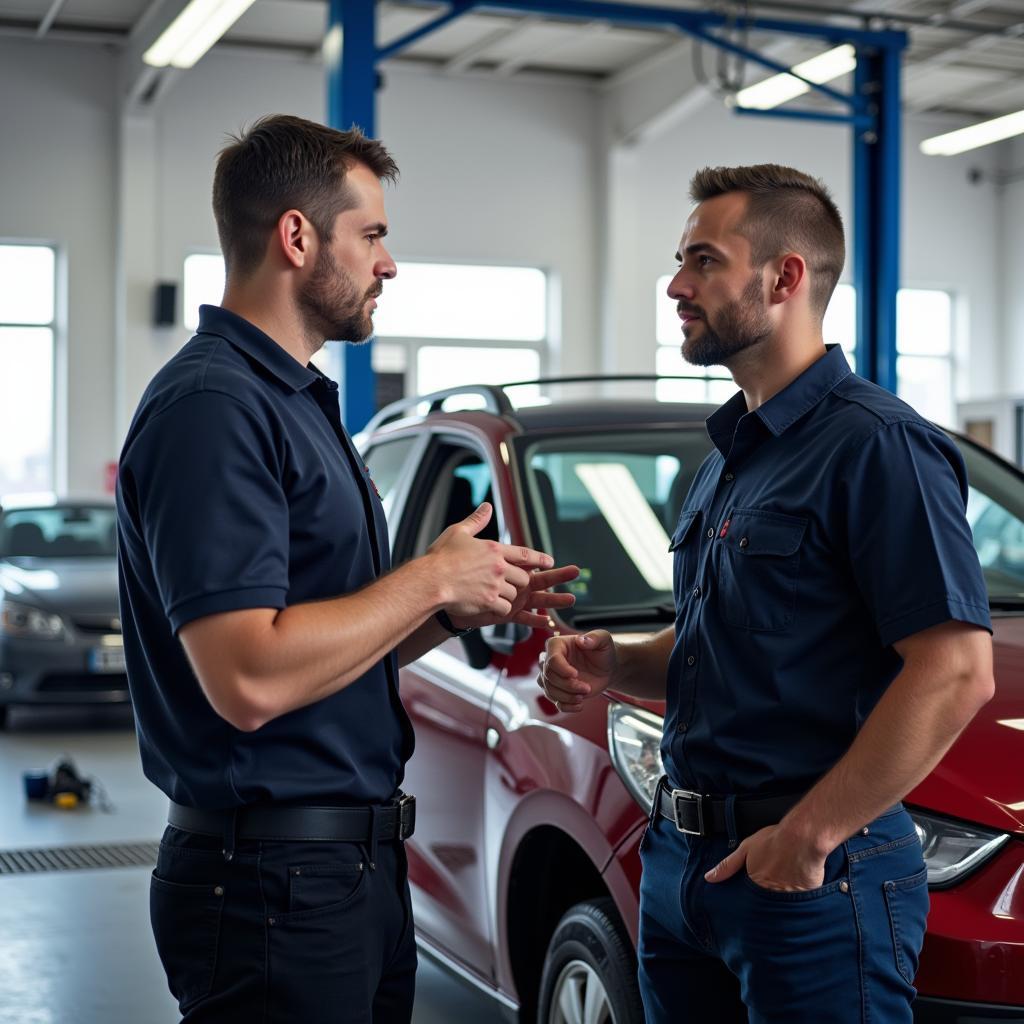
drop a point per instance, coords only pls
(874, 115)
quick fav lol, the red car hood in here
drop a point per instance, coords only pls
(982, 777)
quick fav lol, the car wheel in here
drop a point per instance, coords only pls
(589, 972)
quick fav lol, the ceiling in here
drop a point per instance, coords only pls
(965, 56)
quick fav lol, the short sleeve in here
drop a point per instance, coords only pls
(211, 509)
(909, 543)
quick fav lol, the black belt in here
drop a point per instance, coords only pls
(395, 820)
(700, 815)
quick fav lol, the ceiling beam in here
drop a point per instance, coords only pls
(49, 18)
(468, 57)
(140, 85)
(585, 32)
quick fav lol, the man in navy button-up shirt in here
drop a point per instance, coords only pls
(831, 641)
(263, 627)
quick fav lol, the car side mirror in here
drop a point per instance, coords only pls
(503, 637)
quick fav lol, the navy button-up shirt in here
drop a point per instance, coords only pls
(822, 528)
(240, 488)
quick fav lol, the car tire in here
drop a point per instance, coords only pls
(590, 970)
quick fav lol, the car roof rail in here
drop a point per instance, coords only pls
(495, 399)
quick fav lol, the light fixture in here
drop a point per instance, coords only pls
(194, 31)
(780, 88)
(975, 135)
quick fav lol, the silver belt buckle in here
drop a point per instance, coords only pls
(688, 794)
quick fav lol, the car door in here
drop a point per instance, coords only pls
(447, 694)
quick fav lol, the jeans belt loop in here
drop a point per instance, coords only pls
(730, 821)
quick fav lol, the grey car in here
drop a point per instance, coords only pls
(60, 632)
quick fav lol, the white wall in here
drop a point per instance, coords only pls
(949, 226)
(1012, 258)
(57, 184)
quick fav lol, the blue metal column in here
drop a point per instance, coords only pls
(351, 89)
(876, 214)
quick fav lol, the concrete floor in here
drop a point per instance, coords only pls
(75, 946)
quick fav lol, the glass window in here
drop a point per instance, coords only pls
(204, 285)
(385, 462)
(27, 352)
(61, 531)
(445, 300)
(609, 505)
(441, 366)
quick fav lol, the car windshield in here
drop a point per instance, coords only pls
(995, 510)
(609, 504)
(61, 531)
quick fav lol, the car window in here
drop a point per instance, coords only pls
(995, 510)
(79, 531)
(453, 481)
(609, 504)
(386, 462)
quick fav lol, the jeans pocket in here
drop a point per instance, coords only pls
(906, 900)
(186, 926)
(321, 886)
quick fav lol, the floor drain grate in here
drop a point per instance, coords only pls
(73, 858)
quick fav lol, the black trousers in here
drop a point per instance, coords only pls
(310, 932)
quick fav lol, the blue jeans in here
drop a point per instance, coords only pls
(732, 952)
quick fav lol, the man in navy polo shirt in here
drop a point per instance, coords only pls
(831, 641)
(263, 629)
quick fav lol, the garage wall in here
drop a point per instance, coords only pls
(1012, 259)
(58, 185)
(949, 225)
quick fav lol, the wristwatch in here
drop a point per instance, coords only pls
(442, 617)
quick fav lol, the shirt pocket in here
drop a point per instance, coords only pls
(758, 570)
(685, 550)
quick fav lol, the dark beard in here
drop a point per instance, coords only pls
(739, 325)
(332, 304)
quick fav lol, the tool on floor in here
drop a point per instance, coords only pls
(64, 787)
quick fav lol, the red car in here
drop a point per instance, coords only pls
(524, 864)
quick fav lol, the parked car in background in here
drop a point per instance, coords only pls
(60, 630)
(524, 864)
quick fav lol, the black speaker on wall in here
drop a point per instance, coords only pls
(165, 302)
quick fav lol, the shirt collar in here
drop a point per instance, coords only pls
(254, 343)
(781, 411)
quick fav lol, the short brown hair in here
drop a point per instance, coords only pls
(787, 211)
(284, 162)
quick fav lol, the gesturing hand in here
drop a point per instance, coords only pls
(575, 668)
(489, 582)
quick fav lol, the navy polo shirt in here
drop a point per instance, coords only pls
(822, 528)
(240, 488)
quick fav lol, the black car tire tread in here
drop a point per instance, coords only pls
(591, 931)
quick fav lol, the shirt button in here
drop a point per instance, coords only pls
(690, 660)
(729, 478)
(696, 591)
(711, 533)
(681, 727)
(745, 542)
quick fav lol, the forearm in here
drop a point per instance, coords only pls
(425, 638)
(643, 664)
(913, 725)
(307, 652)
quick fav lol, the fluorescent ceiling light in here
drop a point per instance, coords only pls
(780, 88)
(622, 503)
(975, 135)
(194, 31)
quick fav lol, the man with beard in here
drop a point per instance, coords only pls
(263, 629)
(831, 641)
